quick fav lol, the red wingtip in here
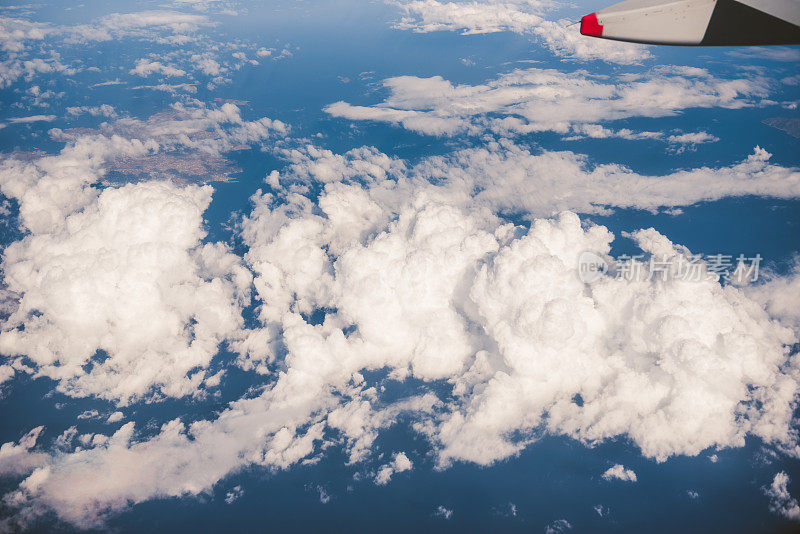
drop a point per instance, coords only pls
(589, 26)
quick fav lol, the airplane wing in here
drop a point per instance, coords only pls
(698, 22)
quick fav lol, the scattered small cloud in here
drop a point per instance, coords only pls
(115, 417)
(772, 53)
(146, 67)
(559, 526)
(31, 118)
(524, 17)
(619, 472)
(233, 495)
(780, 500)
(601, 510)
(399, 463)
(443, 512)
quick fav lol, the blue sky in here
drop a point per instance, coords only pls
(316, 265)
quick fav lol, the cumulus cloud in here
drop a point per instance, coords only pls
(195, 128)
(780, 500)
(15, 32)
(127, 276)
(619, 472)
(362, 262)
(207, 65)
(780, 294)
(234, 494)
(423, 16)
(6, 373)
(399, 463)
(443, 512)
(17, 458)
(173, 89)
(18, 36)
(519, 16)
(119, 297)
(678, 141)
(558, 526)
(693, 138)
(137, 24)
(511, 178)
(103, 110)
(21, 65)
(535, 100)
(115, 417)
(315, 283)
(146, 67)
(601, 510)
(34, 48)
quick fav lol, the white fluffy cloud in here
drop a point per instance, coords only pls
(146, 67)
(182, 128)
(15, 32)
(17, 458)
(519, 16)
(399, 463)
(461, 267)
(780, 295)
(34, 48)
(535, 100)
(419, 277)
(207, 65)
(14, 68)
(694, 138)
(127, 275)
(510, 178)
(619, 472)
(423, 16)
(780, 500)
(137, 24)
(18, 37)
(410, 271)
(119, 297)
(103, 110)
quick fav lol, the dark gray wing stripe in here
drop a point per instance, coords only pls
(736, 24)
